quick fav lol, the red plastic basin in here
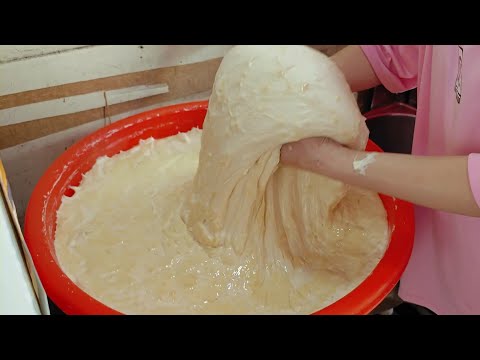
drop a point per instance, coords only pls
(67, 170)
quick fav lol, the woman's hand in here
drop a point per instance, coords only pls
(438, 182)
(312, 154)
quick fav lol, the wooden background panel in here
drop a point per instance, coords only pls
(182, 80)
(149, 77)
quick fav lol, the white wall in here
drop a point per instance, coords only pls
(17, 52)
(17, 293)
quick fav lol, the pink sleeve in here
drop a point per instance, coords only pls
(474, 175)
(395, 65)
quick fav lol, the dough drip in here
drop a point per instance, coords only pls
(263, 97)
(207, 222)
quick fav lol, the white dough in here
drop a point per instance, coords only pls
(208, 222)
(360, 166)
(263, 97)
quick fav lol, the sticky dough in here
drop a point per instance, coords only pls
(207, 222)
(263, 97)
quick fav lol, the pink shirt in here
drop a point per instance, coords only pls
(444, 271)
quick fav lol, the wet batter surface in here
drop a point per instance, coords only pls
(121, 239)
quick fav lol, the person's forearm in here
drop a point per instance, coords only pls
(440, 183)
(355, 66)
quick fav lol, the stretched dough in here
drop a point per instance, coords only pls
(263, 97)
(301, 241)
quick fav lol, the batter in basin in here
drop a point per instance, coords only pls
(208, 222)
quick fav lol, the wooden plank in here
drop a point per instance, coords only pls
(77, 103)
(149, 77)
(182, 80)
(134, 93)
(204, 95)
(95, 62)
